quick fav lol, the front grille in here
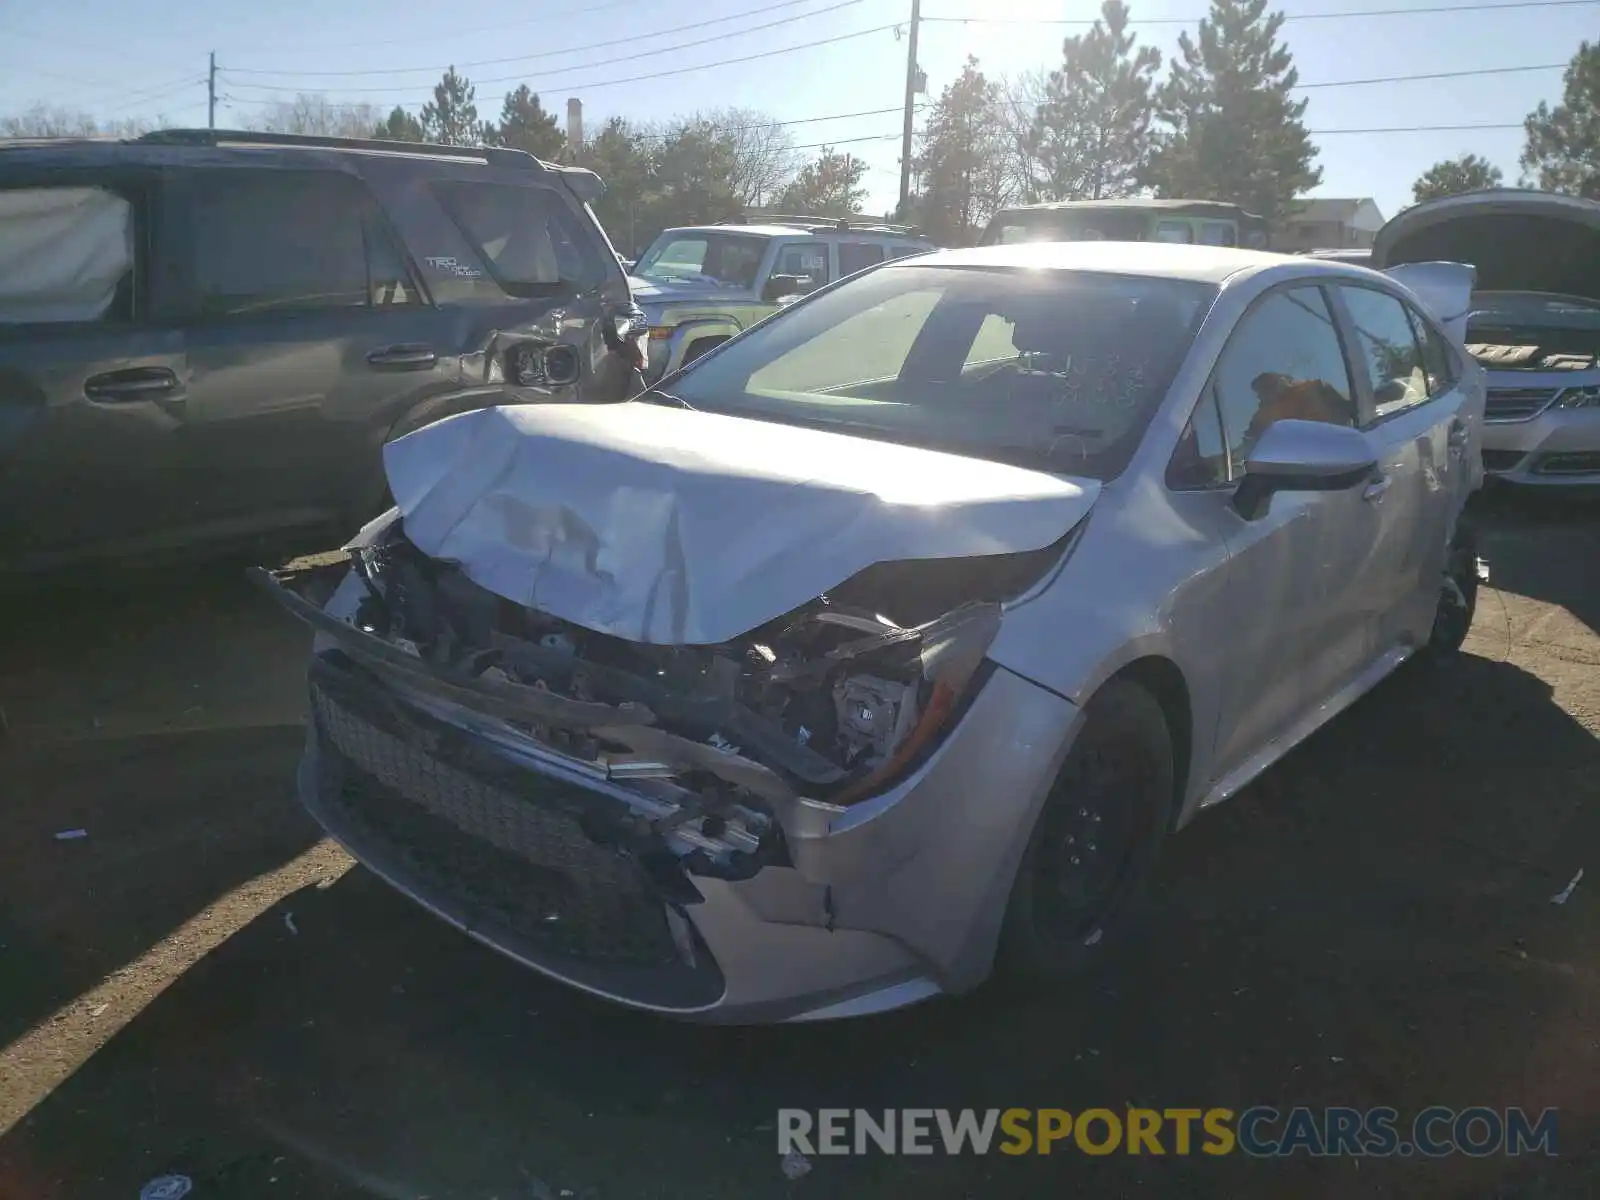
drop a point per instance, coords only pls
(1585, 462)
(515, 865)
(1517, 404)
(1502, 460)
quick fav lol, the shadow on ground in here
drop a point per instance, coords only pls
(1371, 925)
(1545, 547)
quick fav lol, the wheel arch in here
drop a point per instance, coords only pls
(1165, 682)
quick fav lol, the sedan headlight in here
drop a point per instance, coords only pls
(1580, 397)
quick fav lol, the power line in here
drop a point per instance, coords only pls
(137, 101)
(1331, 83)
(603, 83)
(1416, 129)
(1290, 17)
(1337, 83)
(654, 52)
(607, 44)
(500, 27)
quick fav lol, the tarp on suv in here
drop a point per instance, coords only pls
(63, 251)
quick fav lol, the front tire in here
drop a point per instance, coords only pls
(1096, 841)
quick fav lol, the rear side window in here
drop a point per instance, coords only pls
(1386, 346)
(1174, 231)
(289, 241)
(1437, 360)
(66, 256)
(533, 244)
(858, 256)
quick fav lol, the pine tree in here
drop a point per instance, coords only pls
(525, 125)
(451, 117)
(1563, 150)
(399, 126)
(1231, 129)
(1092, 132)
(829, 187)
(962, 164)
(1453, 176)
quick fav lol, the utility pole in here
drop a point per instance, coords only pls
(211, 93)
(911, 104)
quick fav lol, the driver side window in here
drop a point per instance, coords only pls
(1284, 361)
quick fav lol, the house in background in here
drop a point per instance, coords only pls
(1330, 224)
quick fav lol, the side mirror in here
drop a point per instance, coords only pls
(1302, 456)
(779, 286)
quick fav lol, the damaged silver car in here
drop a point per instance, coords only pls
(888, 646)
(1534, 324)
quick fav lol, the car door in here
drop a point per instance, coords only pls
(91, 378)
(1291, 605)
(1412, 419)
(303, 325)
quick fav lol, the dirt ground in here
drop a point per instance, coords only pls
(202, 986)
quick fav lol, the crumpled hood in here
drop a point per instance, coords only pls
(649, 292)
(675, 527)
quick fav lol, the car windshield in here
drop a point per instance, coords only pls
(679, 257)
(1054, 370)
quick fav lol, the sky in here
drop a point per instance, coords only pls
(148, 58)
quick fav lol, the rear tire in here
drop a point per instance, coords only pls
(1458, 595)
(1096, 842)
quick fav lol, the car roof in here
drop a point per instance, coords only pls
(778, 230)
(171, 147)
(1160, 260)
(1218, 208)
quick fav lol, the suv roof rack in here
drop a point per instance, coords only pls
(500, 156)
(819, 224)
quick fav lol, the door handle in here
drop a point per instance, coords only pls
(1377, 489)
(404, 358)
(130, 386)
(1458, 434)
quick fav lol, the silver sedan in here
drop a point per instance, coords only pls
(883, 647)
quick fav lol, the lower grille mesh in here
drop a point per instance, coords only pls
(524, 867)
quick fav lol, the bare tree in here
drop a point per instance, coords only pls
(47, 121)
(1020, 98)
(316, 114)
(763, 156)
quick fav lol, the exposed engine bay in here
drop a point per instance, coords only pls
(832, 702)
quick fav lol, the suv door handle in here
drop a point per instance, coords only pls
(131, 385)
(404, 358)
(1458, 434)
(1377, 489)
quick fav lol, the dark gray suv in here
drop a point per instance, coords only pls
(206, 336)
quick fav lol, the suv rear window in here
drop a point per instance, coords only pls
(532, 243)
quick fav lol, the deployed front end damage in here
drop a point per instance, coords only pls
(729, 830)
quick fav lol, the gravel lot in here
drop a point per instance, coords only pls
(201, 985)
